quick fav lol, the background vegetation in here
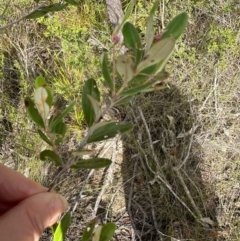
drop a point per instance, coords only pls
(196, 118)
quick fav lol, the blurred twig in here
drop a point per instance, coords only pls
(5, 9)
(22, 18)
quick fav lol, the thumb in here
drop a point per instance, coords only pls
(27, 220)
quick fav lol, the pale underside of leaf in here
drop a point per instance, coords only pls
(97, 233)
(40, 97)
(125, 67)
(158, 52)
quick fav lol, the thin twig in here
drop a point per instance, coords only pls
(77, 201)
(190, 143)
(188, 193)
(215, 90)
(151, 202)
(5, 9)
(130, 197)
(56, 178)
(20, 19)
(162, 177)
(189, 149)
(162, 8)
(149, 138)
(113, 197)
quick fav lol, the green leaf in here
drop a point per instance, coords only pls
(40, 82)
(131, 36)
(137, 55)
(49, 99)
(176, 27)
(99, 124)
(158, 52)
(54, 7)
(54, 227)
(88, 232)
(51, 155)
(72, 2)
(150, 85)
(60, 131)
(124, 100)
(33, 112)
(96, 107)
(90, 88)
(44, 137)
(149, 30)
(125, 67)
(105, 71)
(62, 115)
(144, 74)
(62, 228)
(129, 10)
(155, 79)
(93, 163)
(36, 14)
(108, 130)
(40, 97)
(46, 9)
(135, 90)
(107, 232)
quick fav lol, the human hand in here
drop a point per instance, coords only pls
(26, 208)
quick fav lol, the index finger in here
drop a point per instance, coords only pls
(15, 187)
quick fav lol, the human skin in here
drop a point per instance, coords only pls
(26, 208)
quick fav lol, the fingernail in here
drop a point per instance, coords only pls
(59, 203)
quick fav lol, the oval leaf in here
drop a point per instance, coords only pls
(90, 88)
(93, 163)
(40, 97)
(33, 112)
(44, 137)
(40, 82)
(125, 67)
(158, 52)
(61, 230)
(107, 232)
(51, 155)
(131, 36)
(107, 131)
(176, 27)
(105, 71)
(88, 232)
